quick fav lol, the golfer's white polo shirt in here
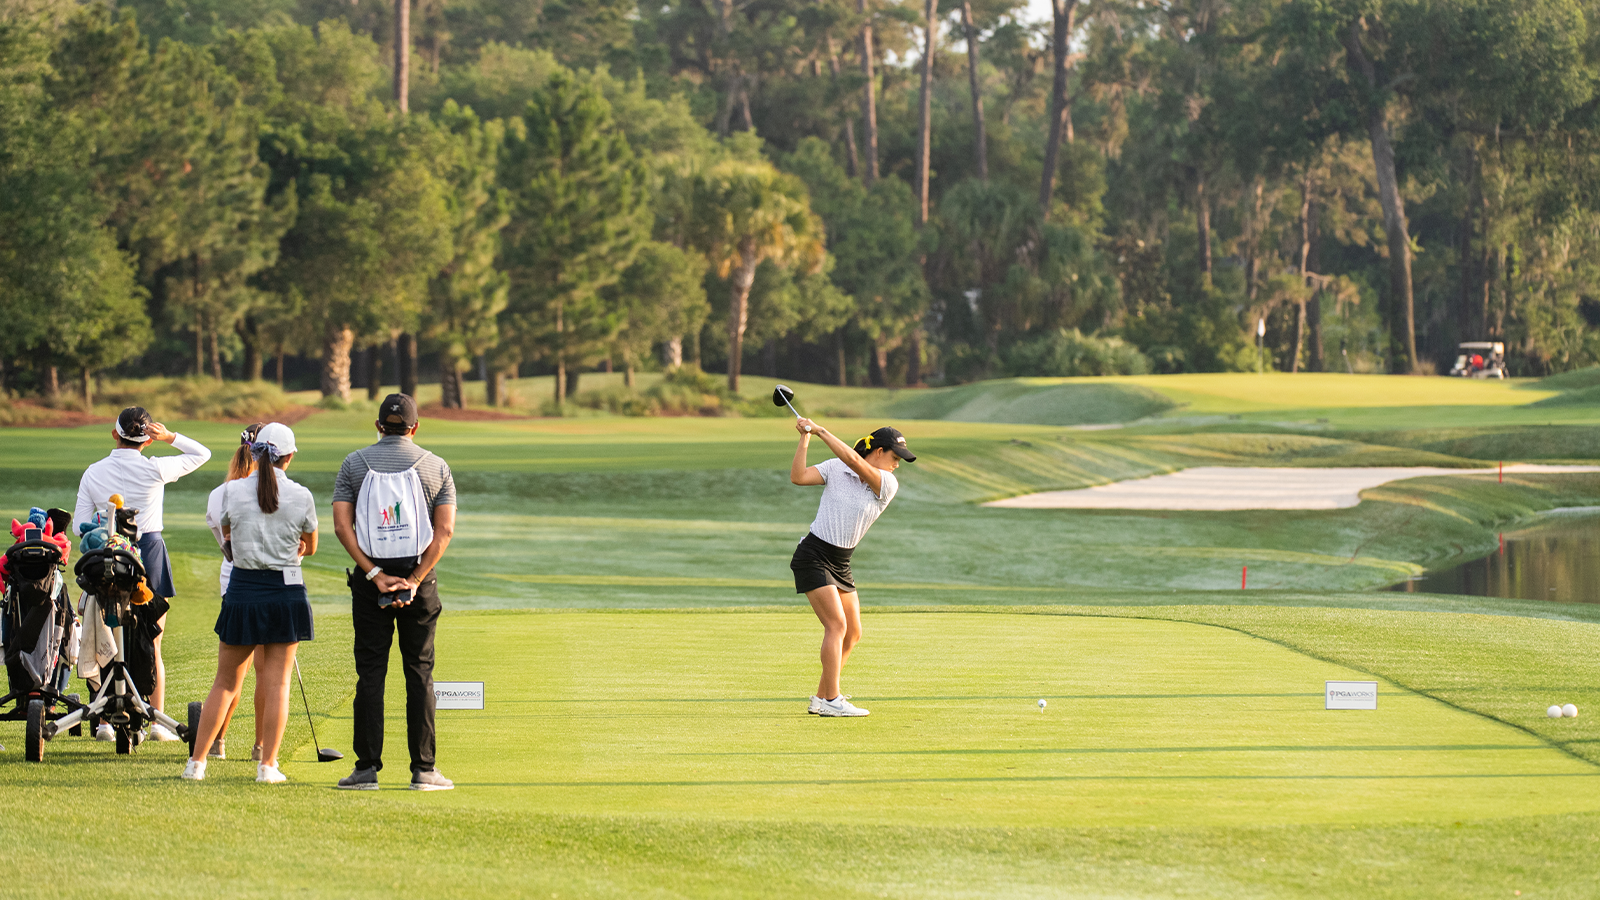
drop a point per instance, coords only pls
(140, 479)
(848, 506)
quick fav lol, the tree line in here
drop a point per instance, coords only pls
(860, 191)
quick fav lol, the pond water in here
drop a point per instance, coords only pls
(1557, 559)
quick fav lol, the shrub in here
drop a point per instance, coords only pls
(1069, 352)
(685, 391)
(195, 398)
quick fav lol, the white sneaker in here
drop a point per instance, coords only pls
(816, 704)
(270, 775)
(103, 732)
(839, 707)
(160, 732)
(194, 771)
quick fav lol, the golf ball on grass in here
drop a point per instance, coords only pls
(1041, 707)
(1570, 711)
(1553, 712)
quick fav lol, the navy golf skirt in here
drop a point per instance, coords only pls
(157, 568)
(260, 609)
(817, 563)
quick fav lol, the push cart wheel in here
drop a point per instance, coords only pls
(124, 741)
(194, 725)
(33, 746)
(73, 702)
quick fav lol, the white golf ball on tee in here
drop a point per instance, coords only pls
(1570, 711)
(1041, 707)
(1553, 712)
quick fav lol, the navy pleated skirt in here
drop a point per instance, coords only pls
(260, 609)
(157, 567)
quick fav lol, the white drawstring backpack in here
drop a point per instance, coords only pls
(392, 520)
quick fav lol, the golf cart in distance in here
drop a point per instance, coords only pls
(1481, 359)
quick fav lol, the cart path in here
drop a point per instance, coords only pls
(1237, 487)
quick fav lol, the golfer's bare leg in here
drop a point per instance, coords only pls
(851, 601)
(830, 612)
(272, 685)
(232, 661)
(159, 695)
(259, 702)
(228, 719)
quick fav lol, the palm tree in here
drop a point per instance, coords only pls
(745, 213)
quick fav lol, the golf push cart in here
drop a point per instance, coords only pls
(38, 631)
(118, 660)
(1480, 359)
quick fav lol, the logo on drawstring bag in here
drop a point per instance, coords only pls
(391, 517)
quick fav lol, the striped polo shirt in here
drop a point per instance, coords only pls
(848, 506)
(396, 453)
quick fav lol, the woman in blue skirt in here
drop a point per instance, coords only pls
(269, 524)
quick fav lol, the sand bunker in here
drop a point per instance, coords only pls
(1228, 487)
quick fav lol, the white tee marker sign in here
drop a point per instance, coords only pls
(1351, 695)
(458, 695)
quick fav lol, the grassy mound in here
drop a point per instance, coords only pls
(1026, 402)
(1577, 396)
(1576, 380)
(1580, 443)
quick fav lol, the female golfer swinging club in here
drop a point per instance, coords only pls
(856, 489)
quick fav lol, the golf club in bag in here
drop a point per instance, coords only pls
(323, 753)
(781, 395)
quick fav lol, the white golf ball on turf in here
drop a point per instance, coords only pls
(1041, 707)
(1570, 711)
(1553, 712)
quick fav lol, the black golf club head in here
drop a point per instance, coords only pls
(781, 395)
(324, 754)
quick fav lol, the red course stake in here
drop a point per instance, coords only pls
(1244, 577)
(1502, 472)
(1502, 543)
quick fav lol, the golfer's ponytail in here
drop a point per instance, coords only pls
(266, 479)
(243, 461)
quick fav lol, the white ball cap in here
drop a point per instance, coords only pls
(1570, 711)
(279, 435)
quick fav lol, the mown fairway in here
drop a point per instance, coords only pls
(621, 588)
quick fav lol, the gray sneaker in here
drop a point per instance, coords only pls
(359, 780)
(430, 780)
(219, 749)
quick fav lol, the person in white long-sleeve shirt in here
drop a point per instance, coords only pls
(142, 482)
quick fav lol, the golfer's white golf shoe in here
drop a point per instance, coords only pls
(194, 771)
(840, 707)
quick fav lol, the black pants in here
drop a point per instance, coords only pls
(375, 628)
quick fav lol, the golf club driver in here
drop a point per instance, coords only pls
(323, 753)
(781, 395)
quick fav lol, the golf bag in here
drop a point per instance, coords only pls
(38, 633)
(122, 618)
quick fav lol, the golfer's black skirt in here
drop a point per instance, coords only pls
(818, 563)
(260, 609)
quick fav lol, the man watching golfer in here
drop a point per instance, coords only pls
(142, 482)
(394, 510)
